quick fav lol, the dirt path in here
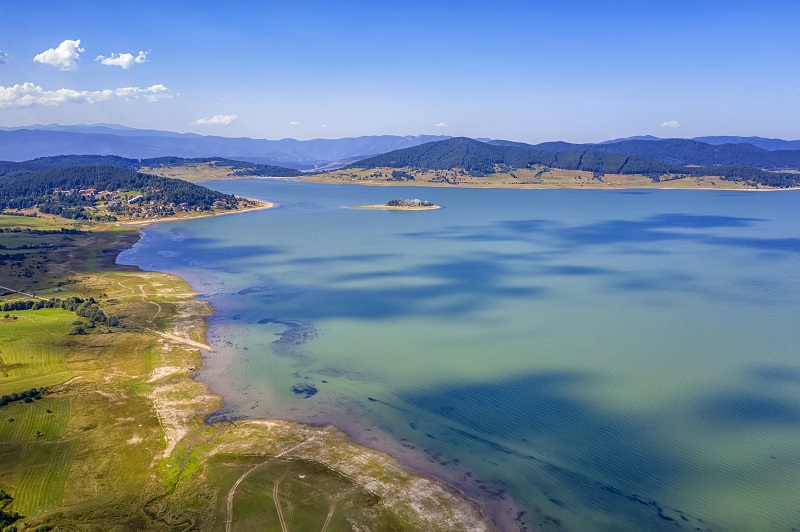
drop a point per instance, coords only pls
(232, 492)
(23, 293)
(329, 517)
(179, 339)
(147, 300)
(126, 288)
(276, 499)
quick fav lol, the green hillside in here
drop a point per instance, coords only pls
(241, 168)
(78, 192)
(683, 152)
(480, 159)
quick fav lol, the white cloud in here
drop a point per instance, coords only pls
(293, 123)
(3, 57)
(671, 124)
(218, 120)
(65, 57)
(324, 125)
(122, 60)
(440, 124)
(29, 95)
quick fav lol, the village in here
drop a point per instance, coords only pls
(107, 204)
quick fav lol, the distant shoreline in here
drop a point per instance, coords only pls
(521, 186)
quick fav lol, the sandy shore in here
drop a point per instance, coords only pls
(394, 207)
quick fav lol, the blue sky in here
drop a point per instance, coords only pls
(530, 71)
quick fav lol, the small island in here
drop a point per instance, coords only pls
(401, 205)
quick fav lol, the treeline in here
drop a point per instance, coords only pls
(38, 190)
(7, 519)
(84, 308)
(26, 396)
(11, 169)
(267, 170)
(479, 159)
(240, 168)
(399, 175)
(409, 203)
(682, 152)
(28, 230)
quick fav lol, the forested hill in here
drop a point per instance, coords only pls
(9, 168)
(682, 152)
(101, 192)
(479, 158)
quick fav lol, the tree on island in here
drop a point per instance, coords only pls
(409, 203)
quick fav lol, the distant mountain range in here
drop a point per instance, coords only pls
(30, 142)
(759, 142)
(20, 144)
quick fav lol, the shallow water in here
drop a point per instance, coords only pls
(611, 360)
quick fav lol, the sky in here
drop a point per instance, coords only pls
(580, 71)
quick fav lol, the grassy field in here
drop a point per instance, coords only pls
(32, 347)
(118, 441)
(194, 173)
(303, 496)
(531, 178)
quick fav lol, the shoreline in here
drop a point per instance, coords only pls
(468, 494)
(262, 205)
(393, 207)
(525, 186)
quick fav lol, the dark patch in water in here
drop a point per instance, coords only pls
(776, 374)
(306, 390)
(296, 333)
(750, 408)
(352, 374)
(223, 415)
(253, 290)
(545, 406)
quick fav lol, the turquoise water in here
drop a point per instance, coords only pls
(606, 360)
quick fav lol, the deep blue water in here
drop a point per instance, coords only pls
(610, 360)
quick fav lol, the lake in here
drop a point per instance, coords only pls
(608, 360)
